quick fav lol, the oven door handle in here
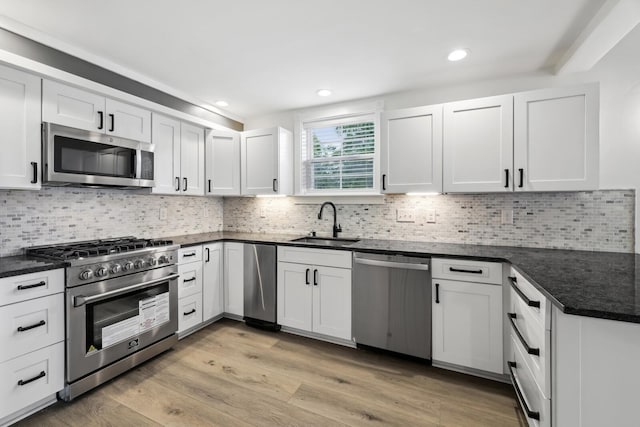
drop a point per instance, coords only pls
(80, 300)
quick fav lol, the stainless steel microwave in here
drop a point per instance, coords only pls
(79, 157)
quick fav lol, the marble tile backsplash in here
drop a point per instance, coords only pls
(55, 215)
(595, 221)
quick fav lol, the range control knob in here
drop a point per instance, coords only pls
(86, 275)
(127, 266)
(138, 264)
(116, 268)
(152, 262)
(101, 271)
(163, 260)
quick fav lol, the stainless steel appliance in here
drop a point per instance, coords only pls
(260, 285)
(81, 157)
(392, 303)
(121, 306)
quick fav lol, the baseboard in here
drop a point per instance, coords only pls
(503, 378)
(321, 337)
(29, 410)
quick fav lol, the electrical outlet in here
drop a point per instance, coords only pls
(205, 212)
(430, 216)
(507, 217)
(263, 211)
(163, 213)
(405, 215)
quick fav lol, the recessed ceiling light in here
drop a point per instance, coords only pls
(458, 54)
(222, 103)
(323, 92)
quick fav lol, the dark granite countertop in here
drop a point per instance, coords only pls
(594, 284)
(22, 264)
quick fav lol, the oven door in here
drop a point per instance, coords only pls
(109, 320)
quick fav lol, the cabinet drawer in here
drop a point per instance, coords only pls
(30, 325)
(311, 256)
(190, 254)
(189, 312)
(531, 298)
(30, 378)
(190, 280)
(468, 271)
(529, 394)
(34, 285)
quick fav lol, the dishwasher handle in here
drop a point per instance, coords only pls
(392, 264)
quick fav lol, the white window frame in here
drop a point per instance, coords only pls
(338, 112)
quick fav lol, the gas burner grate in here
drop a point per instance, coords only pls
(96, 248)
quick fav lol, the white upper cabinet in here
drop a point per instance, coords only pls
(267, 161)
(192, 159)
(222, 153)
(556, 139)
(69, 106)
(478, 145)
(411, 150)
(166, 159)
(20, 129)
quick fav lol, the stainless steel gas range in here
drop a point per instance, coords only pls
(121, 306)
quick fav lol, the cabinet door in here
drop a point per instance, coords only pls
(556, 139)
(212, 281)
(467, 324)
(127, 121)
(478, 145)
(411, 150)
(223, 163)
(192, 159)
(332, 301)
(166, 139)
(20, 129)
(259, 162)
(294, 295)
(234, 278)
(73, 107)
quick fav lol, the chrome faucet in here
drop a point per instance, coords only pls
(337, 228)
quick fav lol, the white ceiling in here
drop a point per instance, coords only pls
(266, 56)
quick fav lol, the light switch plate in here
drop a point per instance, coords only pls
(205, 211)
(507, 217)
(430, 216)
(163, 213)
(263, 212)
(405, 215)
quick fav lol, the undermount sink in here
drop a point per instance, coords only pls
(326, 241)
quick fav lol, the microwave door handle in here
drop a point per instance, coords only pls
(138, 163)
(80, 300)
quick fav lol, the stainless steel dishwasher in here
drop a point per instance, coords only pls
(260, 286)
(392, 303)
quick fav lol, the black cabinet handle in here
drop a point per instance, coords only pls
(506, 176)
(189, 255)
(33, 285)
(177, 183)
(530, 350)
(209, 186)
(315, 277)
(514, 285)
(184, 184)
(461, 270)
(36, 325)
(208, 255)
(113, 122)
(34, 165)
(521, 172)
(275, 185)
(306, 276)
(193, 310)
(437, 293)
(384, 181)
(531, 414)
(42, 374)
(101, 115)
(188, 280)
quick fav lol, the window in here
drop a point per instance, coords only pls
(338, 155)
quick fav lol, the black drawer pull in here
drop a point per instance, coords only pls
(306, 276)
(506, 175)
(530, 350)
(193, 310)
(189, 255)
(209, 185)
(36, 325)
(275, 185)
(34, 285)
(461, 270)
(184, 184)
(208, 255)
(535, 415)
(437, 293)
(315, 277)
(514, 285)
(34, 165)
(177, 183)
(189, 280)
(42, 374)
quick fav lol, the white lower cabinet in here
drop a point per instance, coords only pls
(234, 278)
(212, 281)
(189, 312)
(315, 298)
(189, 289)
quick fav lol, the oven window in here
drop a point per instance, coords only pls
(126, 316)
(92, 158)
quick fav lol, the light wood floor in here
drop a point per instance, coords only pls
(231, 375)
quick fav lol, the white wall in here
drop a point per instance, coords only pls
(619, 76)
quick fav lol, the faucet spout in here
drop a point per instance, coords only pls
(337, 228)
